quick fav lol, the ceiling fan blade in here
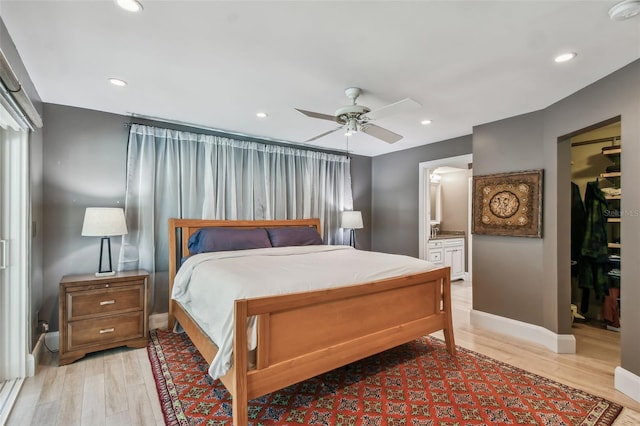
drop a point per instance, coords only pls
(381, 133)
(317, 115)
(405, 105)
(324, 134)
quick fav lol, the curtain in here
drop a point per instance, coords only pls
(177, 174)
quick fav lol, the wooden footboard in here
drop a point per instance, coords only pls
(302, 335)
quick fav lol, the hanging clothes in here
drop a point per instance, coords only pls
(578, 225)
(611, 307)
(594, 250)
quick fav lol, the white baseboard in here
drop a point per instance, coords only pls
(33, 359)
(627, 383)
(558, 343)
(159, 321)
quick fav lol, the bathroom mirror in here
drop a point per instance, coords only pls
(435, 203)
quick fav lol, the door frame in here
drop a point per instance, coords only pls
(424, 211)
(16, 361)
(15, 228)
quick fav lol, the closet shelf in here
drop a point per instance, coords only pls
(614, 220)
(615, 151)
(614, 245)
(611, 175)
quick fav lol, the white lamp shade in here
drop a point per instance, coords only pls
(103, 222)
(351, 220)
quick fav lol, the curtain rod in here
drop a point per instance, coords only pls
(9, 104)
(227, 133)
(16, 94)
(591, 141)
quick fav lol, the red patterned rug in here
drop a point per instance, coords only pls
(414, 384)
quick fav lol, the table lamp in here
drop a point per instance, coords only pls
(351, 220)
(104, 222)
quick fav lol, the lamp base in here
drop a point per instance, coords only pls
(105, 271)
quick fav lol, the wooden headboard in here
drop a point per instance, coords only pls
(181, 229)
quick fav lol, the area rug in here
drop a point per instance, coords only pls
(418, 383)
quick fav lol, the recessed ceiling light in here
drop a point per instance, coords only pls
(426, 122)
(625, 10)
(565, 57)
(262, 114)
(130, 5)
(117, 82)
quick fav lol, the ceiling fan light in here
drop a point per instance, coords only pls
(353, 126)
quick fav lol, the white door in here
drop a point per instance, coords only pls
(16, 362)
(14, 248)
(3, 257)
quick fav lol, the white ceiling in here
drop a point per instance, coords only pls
(216, 63)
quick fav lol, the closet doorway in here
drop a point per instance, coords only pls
(595, 225)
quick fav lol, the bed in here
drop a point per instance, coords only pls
(303, 334)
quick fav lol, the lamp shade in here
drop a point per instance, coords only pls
(351, 220)
(103, 222)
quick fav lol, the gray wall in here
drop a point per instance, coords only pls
(84, 166)
(36, 175)
(361, 187)
(396, 194)
(507, 270)
(616, 94)
(529, 279)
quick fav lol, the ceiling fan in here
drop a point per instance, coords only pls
(357, 118)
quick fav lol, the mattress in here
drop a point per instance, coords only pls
(207, 284)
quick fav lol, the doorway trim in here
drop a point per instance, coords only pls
(15, 360)
(424, 185)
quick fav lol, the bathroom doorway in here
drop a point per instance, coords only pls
(445, 212)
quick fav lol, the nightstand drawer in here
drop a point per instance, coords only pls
(105, 330)
(105, 301)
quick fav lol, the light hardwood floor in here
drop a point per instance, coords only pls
(116, 387)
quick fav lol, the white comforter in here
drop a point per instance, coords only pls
(207, 284)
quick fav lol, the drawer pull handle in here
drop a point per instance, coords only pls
(107, 330)
(107, 302)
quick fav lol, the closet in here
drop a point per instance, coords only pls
(595, 226)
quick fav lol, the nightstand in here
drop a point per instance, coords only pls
(98, 313)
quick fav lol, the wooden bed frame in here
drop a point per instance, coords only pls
(302, 335)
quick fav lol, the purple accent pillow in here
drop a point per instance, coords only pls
(294, 236)
(206, 240)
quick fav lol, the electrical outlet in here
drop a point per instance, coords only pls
(43, 326)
